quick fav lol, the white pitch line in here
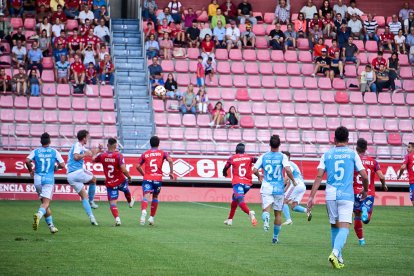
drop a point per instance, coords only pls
(208, 205)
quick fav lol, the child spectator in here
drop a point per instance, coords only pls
(333, 49)
(62, 70)
(107, 70)
(34, 83)
(367, 80)
(166, 46)
(91, 74)
(202, 100)
(318, 48)
(232, 117)
(337, 67)
(5, 81)
(179, 35)
(171, 86)
(209, 68)
(200, 72)
(217, 114)
(19, 82)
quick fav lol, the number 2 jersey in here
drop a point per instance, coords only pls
(153, 160)
(45, 160)
(409, 163)
(371, 166)
(241, 168)
(112, 162)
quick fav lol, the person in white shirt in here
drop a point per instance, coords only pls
(86, 13)
(405, 12)
(102, 31)
(399, 40)
(309, 10)
(395, 25)
(352, 9)
(176, 9)
(233, 36)
(57, 28)
(205, 31)
(19, 54)
(408, 22)
(340, 8)
(356, 27)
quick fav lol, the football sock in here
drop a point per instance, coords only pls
(49, 220)
(299, 209)
(41, 211)
(128, 195)
(286, 212)
(340, 240)
(276, 230)
(359, 231)
(244, 207)
(87, 207)
(265, 216)
(144, 204)
(334, 233)
(91, 191)
(154, 206)
(114, 210)
(233, 207)
(369, 218)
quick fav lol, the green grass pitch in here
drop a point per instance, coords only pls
(191, 239)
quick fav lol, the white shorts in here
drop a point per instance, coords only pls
(275, 200)
(78, 178)
(45, 190)
(295, 193)
(339, 210)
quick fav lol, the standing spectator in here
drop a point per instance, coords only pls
(176, 9)
(19, 54)
(62, 70)
(356, 27)
(393, 66)
(212, 10)
(404, 12)
(149, 10)
(72, 9)
(352, 9)
(193, 35)
(209, 68)
(309, 10)
(6, 29)
(337, 67)
(60, 51)
(219, 35)
(19, 82)
(152, 47)
(350, 52)
(233, 36)
(190, 17)
(57, 28)
(107, 70)
(290, 37)
(217, 114)
(282, 12)
(322, 64)
(86, 13)
(333, 49)
(89, 55)
(156, 73)
(367, 80)
(102, 31)
(189, 101)
(5, 81)
(344, 33)
(377, 61)
(408, 23)
(301, 25)
(394, 25)
(276, 38)
(34, 83)
(171, 87)
(370, 28)
(207, 48)
(75, 43)
(325, 9)
(329, 29)
(202, 100)
(166, 46)
(319, 48)
(19, 36)
(384, 80)
(35, 58)
(16, 8)
(54, 4)
(314, 34)
(200, 72)
(340, 8)
(59, 14)
(218, 17)
(229, 11)
(245, 11)
(205, 31)
(232, 117)
(248, 37)
(91, 74)
(78, 71)
(387, 39)
(399, 41)
(165, 14)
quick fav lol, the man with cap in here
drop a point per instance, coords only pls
(322, 64)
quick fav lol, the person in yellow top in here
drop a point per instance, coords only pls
(212, 8)
(55, 3)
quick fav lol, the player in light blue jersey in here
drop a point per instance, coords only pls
(272, 184)
(78, 176)
(339, 163)
(294, 194)
(45, 159)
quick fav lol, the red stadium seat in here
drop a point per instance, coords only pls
(273, 108)
(47, 63)
(387, 111)
(62, 90)
(374, 111)
(371, 46)
(242, 94)
(254, 82)
(316, 110)
(384, 98)
(402, 112)
(266, 68)
(324, 83)
(380, 139)
(269, 17)
(261, 43)
(251, 68)
(160, 119)
(327, 97)
(376, 125)
(285, 95)
(394, 139)
(51, 116)
(205, 134)
(244, 108)
(240, 81)
(71, 24)
(237, 68)
(296, 82)
(277, 56)
(263, 135)
(279, 69)
(222, 54)
(235, 54)
(293, 69)
(333, 122)
(223, 67)
(292, 136)
(220, 134)
(319, 123)
(193, 53)
(248, 55)
(302, 43)
(301, 109)
(307, 69)
(49, 103)
(305, 56)
(16, 22)
(34, 103)
(350, 72)
(36, 116)
(93, 104)
(322, 137)
(263, 55)
(276, 123)
(282, 82)
(356, 98)
(304, 123)
(345, 110)
(310, 83)
(78, 103)
(107, 104)
(288, 108)
(370, 98)
(290, 123)
(359, 111)
(408, 85)
(341, 97)
(291, 56)
(234, 135)
(30, 24)
(405, 125)
(260, 122)
(48, 76)
(7, 115)
(314, 96)
(181, 66)
(270, 95)
(338, 84)
(330, 110)
(362, 124)
(248, 122)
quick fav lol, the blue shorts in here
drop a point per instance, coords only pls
(151, 186)
(113, 193)
(289, 43)
(353, 59)
(368, 202)
(200, 82)
(412, 191)
(239, 190)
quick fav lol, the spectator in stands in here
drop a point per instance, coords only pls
(204, 31)
(78, 71)
(333, 49)
(350, 52)
(149, 29)
(84, 28)
(207, 48)
(325, 9)
(329, 29)
(212, 9)
(171, 87)
(19, 54)
(200, 72)
(165, 14)
(62, 70)
(210, 68)
(277, 38)
(19, 82)
(72, 9)
(352, 9)
(301, 25)
(394, 25)
(91, 74)
(102, 31)
(315, 21)
(85, 13)
(340, 8)
(62, 38)
(102, 51)
(384, 80)
(229, 11)
(232, 117)
(19, 36)
(404, 12)
(60, 51)
(219, 35)
(290, 37)
(202, 100)
(393, 66)
(92, 39)
(102, 13)
(309, 10)
(190, 17)
(16, 8)
(356, 27)
(5, 81)
(35, 58)
(370, 28)
(314, 34)
(322, 64)
(6, 30)
(44, 3)
(107, 69)
(152, 47)
(248, 37)
(156, 73)
(176, 9)
(54, 4)
(399, 41)
(34, 83)
(166, 46)
(282, 12)
(387, 39)
(89, 55)
(45, 25)
(339, 21)
(318, 48)
(193, 35)
(57, 28)
(149, 10)
(189, 101)
(75, 43)
(164, 27)
(344, 33)
(233, 36)
(411, 56)
(59, 14)
(408, 23)
(217, 115)
(245, 12)
(377, 61)
(337, 67)
(367, 80)
(218, 17)
(179, 35)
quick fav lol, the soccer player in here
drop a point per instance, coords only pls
(153, 160)
(45, 159)
(365, 207)
(339, 164)
(78, 176)
(408, 165)
(294, 194)
(272, 189)
(117, 177)
(241, 164)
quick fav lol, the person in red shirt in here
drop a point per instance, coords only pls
(164, 28)
(241, 164)
(117, 177)
(379, 60)
(328, 26)
(363, 207)
(75, 43)
(152, 160)
(84, 28)
(71, 8)
(90, 38)
(5, 81)
(316, 21)
(16, 8)
(62, 39)
(91, 74)
(59, 14)
(107, 69)
(317, 49)
(387, 39)
(149, 29)
(78, 70)
(333, 49)
(408, 165)
(45, 3)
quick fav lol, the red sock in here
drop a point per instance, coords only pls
(154, 206)
(114, 211)
(244, 207)
(358, 228)
(128, 196)
(233, 207)
(144, 204)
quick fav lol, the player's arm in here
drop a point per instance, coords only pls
(139, 167)
(226, 167)
(315, 187)
(382, 179)
(126, 173)
(256, 168)
(60, 161)
(403, 167)
(29, 166)
(286, 165)
(171, 163)
(287, 184)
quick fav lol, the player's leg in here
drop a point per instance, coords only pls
(286, 213)
(277, 224)
(359, 231)
(40, 212)
(154, 203)
(125, 189)
(332, 210)
(92, 191)
(367, 206)
(45, 193)
(412, 193)
(244, 207)
(233, 208)
(49, 221)
(147, 189)
(113, 194)
(267, 201)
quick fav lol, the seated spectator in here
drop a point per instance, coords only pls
(44, 3)
(5, 81)
(316, 21)
(232, 117)
(218, 17)
(19, 82)
(176, 9)
(179, 35)
(54, 4)
(399, 41)
(193, 35)
(350, 52)
(394, 25)
(248, 37)
(202, 100)
(314, 34)
(207, 48)
(200, 72)
(101, 13)
(16, 8)
(370, 28)
(19, 36)
(410, 39)
(408, 23)
(318, 48)
(171, 87)
(282, 12)
(339, 21)
(204, 31)
(62, 70)
(209, 68)
(34, 83)
(41, 13)
(60, 51)
(149, 29)
(384, 80)
(322, 64)
(325, 9)
(45, 25)
(85, 13)
(75, 43)
(219, 35)
(217, 115)
(35, 58)
(84, 28)
(102, 52)
(152, 47)
(97, 4)
(404, 12)
(166, 46)
(309, 10)
(377, 61)
(165, 14)
(229, 11)
(393, 66)
(78, 71)
(6, 29)
(233, 36)
(245, 11)
(59, 14)
(72, 9)
(164, 27)
(92, 39)
(276, 38)
(19, 54)
(337, 67)
(91, 74)
(212, 10)
(149, 9)
(333, 49)
(102, 31)
(107, 69)
(367, 80)
(62, 39)
(344, 33)
(352, 9)
(387, 39)
(44, 43)
(155, 71)
(190, 17)
(329, 29)
(411, 56)
(57, 29)
(356, 27)
(189, 103)
(290, 37)
(340, 8)
(89, 55)
(301, 25)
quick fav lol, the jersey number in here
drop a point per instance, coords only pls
(45, 164)
(110, 171)
(359, 181)
(339, 171)
(276, 174)
(242, 170)
(153, 165)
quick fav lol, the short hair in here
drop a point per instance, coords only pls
(411, 144)
(362, 145)
(75, 30)
(112, 141)
(341, 134)
(380, 53)
(154, 141)
(368, 66)
(195, 21)
(45, 139)
(286, 153)
(274, 141)
(210, 59)
(200, 57)
(240, 148)
(82, 134)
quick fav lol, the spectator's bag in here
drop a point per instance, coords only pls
(79, 89)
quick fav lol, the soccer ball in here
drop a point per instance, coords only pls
(160, 91)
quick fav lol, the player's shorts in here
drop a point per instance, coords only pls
(412, 191)
(295, 193)
(339, 210)
(151, 186)
(43, 190)
(368, 202)
(240, 190)
(275, 200)
(78, 178)
(113, 192)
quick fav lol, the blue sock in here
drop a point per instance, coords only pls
(286, 212)
(91, 191)
(340, 240)
(299, 209)
(276, 231)
(334, 233)
(87, 207)
(265, 216)
(42, 211)
(49, 220)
